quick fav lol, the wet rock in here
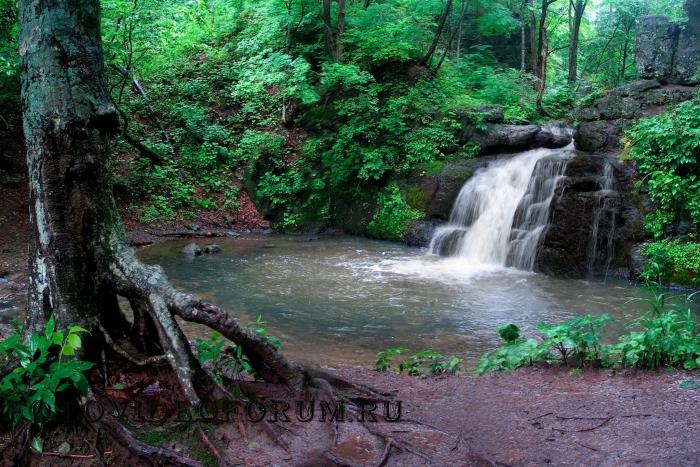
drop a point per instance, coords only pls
(212, 249)
(420, 233)
(192, 249)
(6, 331)
(592, 225)
(637, 261)
(509, 138)
(449, 242)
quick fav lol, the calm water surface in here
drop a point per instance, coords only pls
(343, 299)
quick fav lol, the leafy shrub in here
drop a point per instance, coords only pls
(577, 337)
(672, 261)
(668, 336)
(46, 368)
(223, 358)
(666, 150)
(391, 221)
(514, 353)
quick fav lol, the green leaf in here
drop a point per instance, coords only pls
(38, 444)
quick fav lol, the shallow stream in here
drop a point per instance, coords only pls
(342, 299)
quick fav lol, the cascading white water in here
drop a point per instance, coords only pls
(502, 210)
(605, 204)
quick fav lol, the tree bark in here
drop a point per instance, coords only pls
(456, 31)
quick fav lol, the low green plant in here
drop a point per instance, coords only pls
(514, 353)
(577, 337)
(211, 353)
(666, 335)
(47, 367)
(423, 363)
(222, 357)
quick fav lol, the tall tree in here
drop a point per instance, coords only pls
(80, 259)
(577, 7)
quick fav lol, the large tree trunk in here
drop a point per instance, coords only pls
(80, 260)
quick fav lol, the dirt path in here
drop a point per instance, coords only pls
(547, 416)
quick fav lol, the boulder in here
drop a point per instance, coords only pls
(656, 41)
(212, 249)
(637, 261)
(6, 331)
(420, 233)
(668, 52)
(192, 250)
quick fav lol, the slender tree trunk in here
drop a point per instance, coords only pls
(533, 44)
(523, 46)
(543, 72)
(333, 34)
(623, 66)
(456, 30)
(579, 9)
(425, 61)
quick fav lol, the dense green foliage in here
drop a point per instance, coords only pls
(666, 150)
(9, 62)
(225, 101)
(666, 335)
(47, 367)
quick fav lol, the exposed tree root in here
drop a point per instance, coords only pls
(146, 454)
(14, 452)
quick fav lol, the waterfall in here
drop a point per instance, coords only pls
(502, 210)
(604, 204)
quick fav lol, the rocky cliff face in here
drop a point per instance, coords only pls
(602, 124)
(667, 52)
(594, 219)
(594, 227)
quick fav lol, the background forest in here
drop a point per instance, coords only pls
(306, 112)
